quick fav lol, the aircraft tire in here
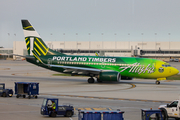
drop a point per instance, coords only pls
(157, 82)
(90, 80)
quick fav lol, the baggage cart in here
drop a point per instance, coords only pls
(100, 115)
(30, 89)
(151, 114)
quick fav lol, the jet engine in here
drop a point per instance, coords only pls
(109, 76)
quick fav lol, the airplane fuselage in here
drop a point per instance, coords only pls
(126, 66)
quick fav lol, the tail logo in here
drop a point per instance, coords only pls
(36, 44)
(27, 27)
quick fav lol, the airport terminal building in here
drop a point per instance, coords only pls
(158, 50)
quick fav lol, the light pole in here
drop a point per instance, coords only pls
(51, 41)
(102, 39)
(15, 41)
(116, 41)
(76, 40)
(64, 39)
(169, 39)
(8, 39)
(129, 39)
(155, 40)
(142, 40)
(89, 40)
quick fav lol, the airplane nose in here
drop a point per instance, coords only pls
(175, 71)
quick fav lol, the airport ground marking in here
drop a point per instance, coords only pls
(93, 108)
(107, 98)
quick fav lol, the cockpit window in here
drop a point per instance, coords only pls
(166, 65)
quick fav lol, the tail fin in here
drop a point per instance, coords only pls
(34, 41)
(96, 53)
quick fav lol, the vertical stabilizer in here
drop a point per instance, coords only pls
(34, 41)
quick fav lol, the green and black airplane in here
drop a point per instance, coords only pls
(99, 67)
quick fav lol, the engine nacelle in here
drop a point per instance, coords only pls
(109, 76)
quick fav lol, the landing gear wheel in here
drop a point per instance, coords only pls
(68, 114)
(24, 96)
(157, 82)
(90, 80)
(17, 96)
(99, 81)
(36, 96)
(29, 97)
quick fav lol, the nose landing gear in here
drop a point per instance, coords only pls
(157, 82)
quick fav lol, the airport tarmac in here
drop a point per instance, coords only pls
(129, 96)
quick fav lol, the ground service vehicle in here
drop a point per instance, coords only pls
(46, 109)
(26, 88)
(176, 60)
(171, 110)
(151, 114)
(5, 92)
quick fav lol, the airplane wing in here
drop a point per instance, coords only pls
(77, 69)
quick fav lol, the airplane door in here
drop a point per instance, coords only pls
(49, 61)
(103, 65)
(169, 70)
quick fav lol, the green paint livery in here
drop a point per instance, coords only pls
(102, 68)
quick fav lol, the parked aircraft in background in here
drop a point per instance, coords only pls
(99, 67)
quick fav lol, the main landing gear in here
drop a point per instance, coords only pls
(91, 80)
(157, 82)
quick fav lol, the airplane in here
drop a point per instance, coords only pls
(100, 67)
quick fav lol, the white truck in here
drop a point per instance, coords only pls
(171, 110)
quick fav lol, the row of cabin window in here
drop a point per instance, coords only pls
(83, 63)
